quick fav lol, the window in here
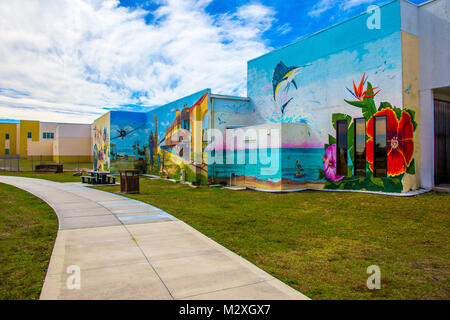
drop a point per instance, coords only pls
(380, 147)
(360, 147)
(341, 150)
(29, 135)
(7, 136)
(6, 151)
(48, 135)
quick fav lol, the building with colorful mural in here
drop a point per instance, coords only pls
(168, 140)
(363, 105)
(348, 108)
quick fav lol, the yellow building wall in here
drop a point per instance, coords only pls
(197, 129)
(411, 100)
(25, 127)
(101, 143)
(11, 129)
(72, 159)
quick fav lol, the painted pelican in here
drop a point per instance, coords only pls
(283, 80)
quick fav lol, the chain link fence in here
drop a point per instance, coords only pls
(72, 163)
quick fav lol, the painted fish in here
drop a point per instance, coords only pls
(283, 79)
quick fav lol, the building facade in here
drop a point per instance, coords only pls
(353, 107)
(362, 105)
(58, 142)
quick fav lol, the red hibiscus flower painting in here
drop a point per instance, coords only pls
(399, 138)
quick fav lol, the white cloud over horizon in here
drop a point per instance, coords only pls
(68, 60)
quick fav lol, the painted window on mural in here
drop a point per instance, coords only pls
(380, 147)
(29, 135)
(6, 151)
(341, 156)
(360, 147)
(7, 136)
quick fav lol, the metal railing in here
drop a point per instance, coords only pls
(71, 163)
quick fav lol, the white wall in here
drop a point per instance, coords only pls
(69, 130)
(431, 23)
(73, 140)
(427, 139)
(434, 34)
(410, 18)
(434, 41)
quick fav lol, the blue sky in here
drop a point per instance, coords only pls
(294, 19)
(71, 60)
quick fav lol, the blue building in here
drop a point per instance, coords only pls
(350, 108)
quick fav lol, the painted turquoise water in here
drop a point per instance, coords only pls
(310, 160)
(270, 164)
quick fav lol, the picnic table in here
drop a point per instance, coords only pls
(98, 177)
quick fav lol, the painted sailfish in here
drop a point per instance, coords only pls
(283, 80)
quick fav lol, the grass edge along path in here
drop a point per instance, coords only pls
(56, 177)
(28, 228)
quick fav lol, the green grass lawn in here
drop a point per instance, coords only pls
(58, 177)
(28, 228)
(321, 243)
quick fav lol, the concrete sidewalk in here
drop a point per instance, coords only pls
(127, 249)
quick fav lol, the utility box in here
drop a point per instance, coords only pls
(129, 181)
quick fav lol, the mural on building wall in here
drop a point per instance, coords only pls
(400, 127)
(283, 80)
(306, 90)
(101, 148)
(166, 141)
(228, 113)
(128, 141)
(176, 136)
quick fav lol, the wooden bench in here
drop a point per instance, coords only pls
(57, 168)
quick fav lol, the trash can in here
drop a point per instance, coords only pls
(129, 181)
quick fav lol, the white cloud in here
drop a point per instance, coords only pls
(324, 5)
(65, 60)
(320, 7)
(285, 28)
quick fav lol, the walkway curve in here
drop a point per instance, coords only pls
(126, 249)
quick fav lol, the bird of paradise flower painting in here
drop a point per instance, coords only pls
(400, 128)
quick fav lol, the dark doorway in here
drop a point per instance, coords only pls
(441, 142)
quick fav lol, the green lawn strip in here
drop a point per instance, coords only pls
(57, 177)
(28, 228)
(321, 243)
